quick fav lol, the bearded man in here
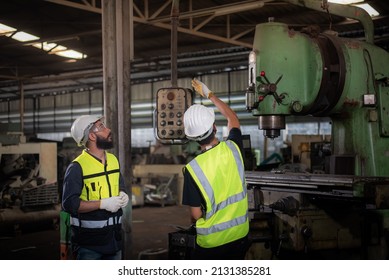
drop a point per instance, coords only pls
(94, 193)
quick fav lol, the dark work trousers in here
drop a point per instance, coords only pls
(235, 250)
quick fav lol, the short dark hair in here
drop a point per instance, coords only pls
(208, 139)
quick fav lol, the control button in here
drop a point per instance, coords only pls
(179, 115)
(179, 123)
(163, 106)
(170, 95)
(162, 123)
(171, 106)
(163, 132)
(163, 115)
(171, 132)
(179, 132)
(171, 115)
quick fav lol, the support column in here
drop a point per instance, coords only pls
(117, 42)
(21, 106)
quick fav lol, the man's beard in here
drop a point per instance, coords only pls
(104, 143)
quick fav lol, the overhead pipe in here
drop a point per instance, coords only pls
(16, 216)
(348, 11)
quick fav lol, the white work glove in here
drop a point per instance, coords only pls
(111, 204)
(124, 199)
(201, 88)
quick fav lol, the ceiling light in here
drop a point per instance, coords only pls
(71, 54)
(53, 48)
(5, 29)
(24, 36)
(49, 47)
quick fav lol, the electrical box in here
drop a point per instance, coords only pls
(169, 114)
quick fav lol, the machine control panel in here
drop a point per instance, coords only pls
(171, 106)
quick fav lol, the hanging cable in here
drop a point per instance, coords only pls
(324, 6)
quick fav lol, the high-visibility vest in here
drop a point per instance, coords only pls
(219, 174)
(99, 181)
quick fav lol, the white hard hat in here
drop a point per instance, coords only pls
(198, 122)
(81, 126)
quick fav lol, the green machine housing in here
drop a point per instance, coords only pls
(321, 74)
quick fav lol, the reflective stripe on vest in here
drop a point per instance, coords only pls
(223, 226)
(215, 228)
(99, 181)
(208, 188)
(95, 224)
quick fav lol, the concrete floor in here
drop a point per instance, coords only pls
(150, 228)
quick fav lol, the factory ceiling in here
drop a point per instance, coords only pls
(213, 35)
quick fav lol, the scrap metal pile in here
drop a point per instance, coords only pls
(20, 183)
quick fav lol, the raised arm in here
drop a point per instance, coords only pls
(224, 109)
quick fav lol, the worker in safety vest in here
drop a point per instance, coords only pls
(214, 182)
(94, 193)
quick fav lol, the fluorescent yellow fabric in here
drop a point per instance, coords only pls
(100, 181)
(219, 174)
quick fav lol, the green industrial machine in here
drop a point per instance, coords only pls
(324, 75)
(314, 73)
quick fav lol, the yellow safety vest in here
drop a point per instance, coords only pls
(100, 181)
(97, 228)
(219, 174)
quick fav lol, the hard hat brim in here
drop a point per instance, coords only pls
(201, 137)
